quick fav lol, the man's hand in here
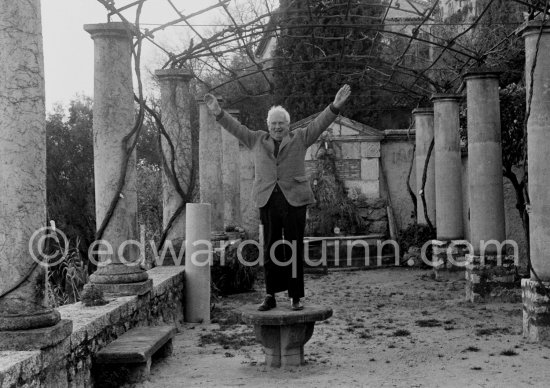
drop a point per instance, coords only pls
(341, 96)
(212, 104)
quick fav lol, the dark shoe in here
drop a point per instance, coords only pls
(268, 303)
(296, 305)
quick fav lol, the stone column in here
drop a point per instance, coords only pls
(250, 213)
(174, 104)
(231, 176)
(536, 304)
(424, 126)
(210, 165)
(113, 120)
(26, 320)
(448, 181)
(486, 273)
(198, 255)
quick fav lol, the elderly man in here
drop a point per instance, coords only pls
(281, 190)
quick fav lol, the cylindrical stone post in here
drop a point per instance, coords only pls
(113, 120)
(23, 303)
(174, 104)
(250, 213)
(538, 145)
(210, 165)
(231, 177)
(448, 186)
(198, 255)
(536, 302)
(485, 161)
(424, 126)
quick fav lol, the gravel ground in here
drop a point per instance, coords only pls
(390, 328)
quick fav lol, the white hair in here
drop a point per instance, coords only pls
(278, 108)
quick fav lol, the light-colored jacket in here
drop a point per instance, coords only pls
(288, 168)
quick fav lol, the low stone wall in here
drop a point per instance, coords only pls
(69, 364)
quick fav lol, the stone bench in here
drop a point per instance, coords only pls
(128, 358)
(284, 332)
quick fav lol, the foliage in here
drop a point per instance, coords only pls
(415, 236)
(232, 276)
(66, 279)
(333, 208)
(93, 296)
(493, 41)
(69, 165)
(315, 56)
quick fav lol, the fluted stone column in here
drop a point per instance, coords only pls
(424, 126)
(486, 271)
(210, 166)
(250, 213)
(174, 100)
(536, 304)
(113, 120)
(26, 320)
(231, 176)
(448, 181)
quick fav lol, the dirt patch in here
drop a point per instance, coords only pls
(442, 340)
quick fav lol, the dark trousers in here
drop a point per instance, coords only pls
(280, 219)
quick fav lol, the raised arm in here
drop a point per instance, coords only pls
(322, 121)
(231, 125)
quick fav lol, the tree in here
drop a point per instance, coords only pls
(317, 53)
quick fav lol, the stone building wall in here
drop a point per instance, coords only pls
(70, 363)
(397, 153)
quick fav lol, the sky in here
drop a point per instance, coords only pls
(69, 50)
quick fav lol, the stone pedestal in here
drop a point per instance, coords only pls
(450, 255)
(491, 278)
(178, 153)
(198, 256)
(231, 176)
(536, 310)
(26, 320)
(448, 168)
(424, 126)
(210, 162)
(113, 120)
(284, 332)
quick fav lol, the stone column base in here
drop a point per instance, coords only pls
(34, 339)
(536, 311)
(449, 254)
(284, 332)
(123, 289)
(491, 278)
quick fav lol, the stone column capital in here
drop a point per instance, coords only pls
(445, 97)
(482, 74)
(109, 30)
(423, 111)
(533, 27)
(174, 74)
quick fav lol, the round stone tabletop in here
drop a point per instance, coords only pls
(284, 315)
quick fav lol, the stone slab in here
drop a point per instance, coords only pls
(125, 289)
(33, 339)
(136, 345)
(284, 315)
